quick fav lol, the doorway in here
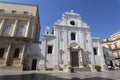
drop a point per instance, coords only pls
(74, 59)
(34, 64)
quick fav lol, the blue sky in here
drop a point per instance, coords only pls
(103, 16)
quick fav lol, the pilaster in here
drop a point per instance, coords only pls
(7, 54)
(2, 26)
(22, 54)
(14, 28)
(27, 29)
(92, 56)
(80, 59)
(45, 55)
(56, 49)
(44, 52)
(82, 43)
(104, 68)
(69, 63)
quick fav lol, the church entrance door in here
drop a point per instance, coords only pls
(74, 59)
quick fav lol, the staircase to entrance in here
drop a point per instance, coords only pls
(80, 69)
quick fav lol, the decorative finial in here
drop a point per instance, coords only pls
(72, 11)
(48, 27)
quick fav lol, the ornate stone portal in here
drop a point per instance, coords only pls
(75, 55)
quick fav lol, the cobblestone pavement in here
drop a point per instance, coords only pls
(40, 75)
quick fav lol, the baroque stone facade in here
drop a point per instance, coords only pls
(70, 45)
(19, 27)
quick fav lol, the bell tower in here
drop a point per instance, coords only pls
(47, 30)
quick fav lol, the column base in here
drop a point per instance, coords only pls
(93, 68)
(41, 67)
(81, 66)
(56, 67)
(104, 68)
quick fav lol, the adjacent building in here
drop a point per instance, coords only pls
(19, 28)
(113, 43)
(108, 56)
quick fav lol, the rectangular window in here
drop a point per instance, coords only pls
(13, 12)
(73, 36)
(95, 51)
(21, 30)
(25, 13)
(115, 45)
(16, 53)
(1, 11)
(2, 50)
(8, 30)
(109, 46)
(50, 49)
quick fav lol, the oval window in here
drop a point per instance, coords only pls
(72, 22)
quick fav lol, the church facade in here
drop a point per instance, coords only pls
(70, 45)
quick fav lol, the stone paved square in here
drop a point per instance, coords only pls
(57, 75)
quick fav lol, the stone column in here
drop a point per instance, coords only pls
(27, 29)
(102, 56)
(7, 54)
(80, 59)
(56, 49)
(45, 55)
(2, 26)
(92, 56)
(22, 55)
(82, 42)
(69, 62)
(42, 64)
(14, 29)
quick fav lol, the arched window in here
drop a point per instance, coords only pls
(8, 30)
(16, 53)
(73, 36)
(21, 30)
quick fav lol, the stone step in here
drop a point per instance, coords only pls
(81, 69)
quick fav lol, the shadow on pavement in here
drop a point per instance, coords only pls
(44, 77)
